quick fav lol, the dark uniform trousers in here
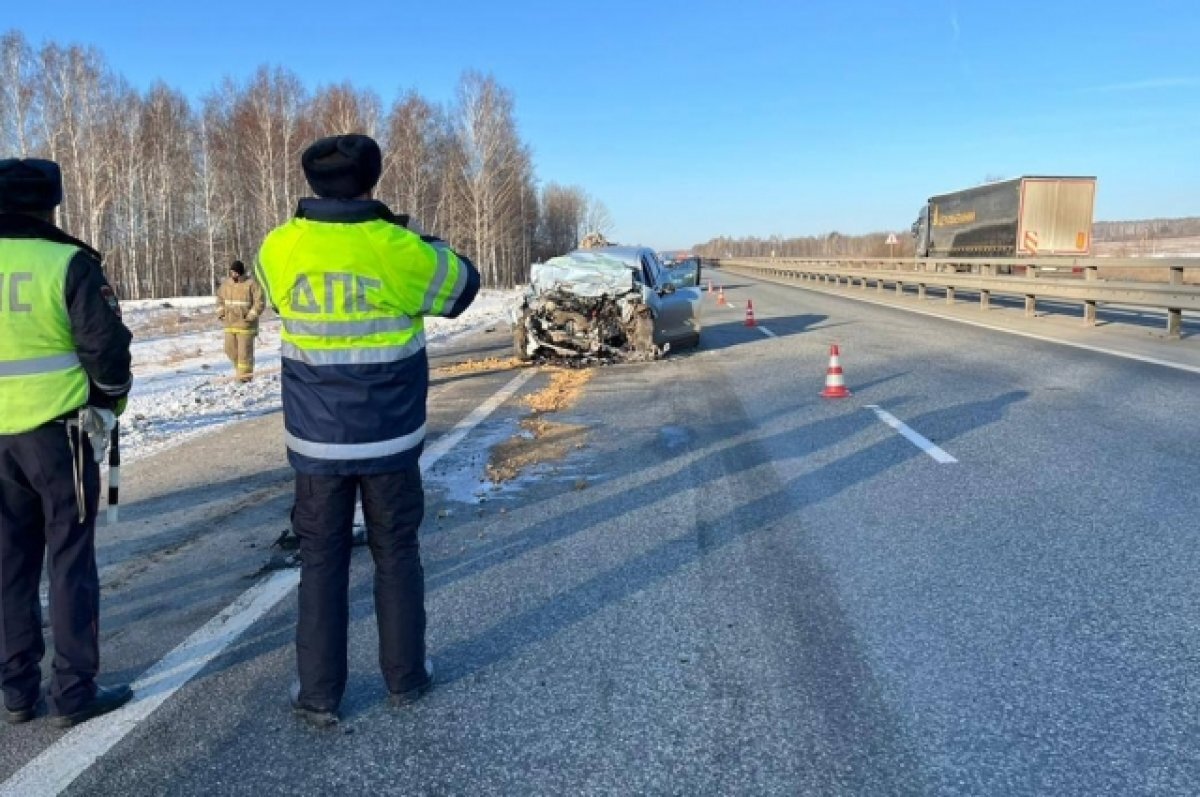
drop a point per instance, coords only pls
(38, 513)
(323, 519)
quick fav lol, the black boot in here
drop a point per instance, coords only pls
(106, 699)
(16, 716)
(316, 717)
(410, 696)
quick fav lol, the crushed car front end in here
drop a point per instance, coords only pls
(584, 307)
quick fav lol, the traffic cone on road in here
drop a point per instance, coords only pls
(721, 296)
(835, 382)
(750, 314)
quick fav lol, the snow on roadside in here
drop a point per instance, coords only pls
(184, 387)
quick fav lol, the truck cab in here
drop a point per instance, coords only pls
(920, 232)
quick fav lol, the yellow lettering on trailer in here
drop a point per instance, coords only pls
(948, 219)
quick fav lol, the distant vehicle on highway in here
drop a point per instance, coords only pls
(1025, 216)
(605, 304)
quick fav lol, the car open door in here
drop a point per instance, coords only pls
(676, 310)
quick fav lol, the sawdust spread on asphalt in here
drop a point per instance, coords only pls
(562, 392)
(542, 440)
(478, 366)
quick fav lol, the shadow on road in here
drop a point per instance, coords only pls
(729, 332)
(720, 449)
(823, 483)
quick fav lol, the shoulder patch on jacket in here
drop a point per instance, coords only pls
(110, 298)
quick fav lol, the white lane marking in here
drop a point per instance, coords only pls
(443, 444)
(61, 763)
(914, 438)
(767, 332)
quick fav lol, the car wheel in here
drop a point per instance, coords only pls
(520, 341)
(690, 342)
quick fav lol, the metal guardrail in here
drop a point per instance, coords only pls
(1027, 277)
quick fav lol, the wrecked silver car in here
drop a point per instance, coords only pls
(606, 304)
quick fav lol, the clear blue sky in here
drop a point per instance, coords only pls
(696, 119)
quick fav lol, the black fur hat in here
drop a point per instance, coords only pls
(342, 167)
(29, 184)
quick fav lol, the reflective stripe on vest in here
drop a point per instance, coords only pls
(444, 291)
(359, 355)
(355, 451)
(41, 377)
(335, 329)
(39, 365)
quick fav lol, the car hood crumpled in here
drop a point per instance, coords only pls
(585, 274)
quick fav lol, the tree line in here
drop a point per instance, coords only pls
(1147, 229)
(875, 244)
(833, 244)
(172, 191)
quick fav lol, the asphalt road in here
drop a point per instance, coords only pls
(733, 586)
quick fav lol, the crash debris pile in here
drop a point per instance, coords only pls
(588, 329)
(584, 308)
(594, 240)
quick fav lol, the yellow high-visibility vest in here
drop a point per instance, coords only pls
(41, 377)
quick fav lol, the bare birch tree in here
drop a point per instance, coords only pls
(342, 109)
(75, 92)
(562, 219)
(267, 119)
(495, 170)
(19, 106)
(596, 217)
(414, 162)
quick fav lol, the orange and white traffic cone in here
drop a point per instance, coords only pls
(835, 382)
(721, 296)
(750, 314)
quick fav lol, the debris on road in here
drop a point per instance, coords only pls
(482, 365)
(287, 540)
(564, 390)
(289, 546)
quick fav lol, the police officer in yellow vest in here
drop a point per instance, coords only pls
(239, 304)
(63, 349)
(352, 284)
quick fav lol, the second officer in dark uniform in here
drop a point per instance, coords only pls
(63, 349)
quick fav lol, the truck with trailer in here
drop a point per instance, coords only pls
(1021, 217)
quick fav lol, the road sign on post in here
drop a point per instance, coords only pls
(891, 242)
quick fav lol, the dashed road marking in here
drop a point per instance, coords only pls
(913, 437)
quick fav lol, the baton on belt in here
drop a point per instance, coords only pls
(114, 472)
